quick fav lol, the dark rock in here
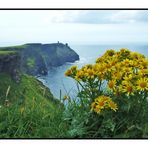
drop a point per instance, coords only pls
(16, 75)
(10, 64)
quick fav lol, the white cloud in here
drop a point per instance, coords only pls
(65, 16)
(97, 16)
(129, 16)
(43, 18)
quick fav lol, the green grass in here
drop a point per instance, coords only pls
(28, 87)
(30, 62)
(7, 52)
(30, 112)
(19, 47)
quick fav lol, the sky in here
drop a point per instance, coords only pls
(73, 26)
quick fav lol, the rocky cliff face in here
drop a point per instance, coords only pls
(37, 59)
(9, 63)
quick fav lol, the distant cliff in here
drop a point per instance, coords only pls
(37, 58)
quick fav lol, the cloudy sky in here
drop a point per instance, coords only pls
(73, 26)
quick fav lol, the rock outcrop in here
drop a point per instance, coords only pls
(37, 59)
(9, 63)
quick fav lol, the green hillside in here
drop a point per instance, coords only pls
(28, 109)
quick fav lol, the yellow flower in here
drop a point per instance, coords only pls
(79, 75)
(68, 72)
(128, 88)
(72, 71)
(112, 84)
(118, 66)
(108, 66)
(103, 102)
(143, 72)
(117, 75)
(124, 52)
(128, 77)
(127, 70)
(113, 62)
(97, 109)
(112, 105)
(142, 84)
(126, 62)
(100, 75)
(143, 63)
(110, 52)
(101, 68)
(90, 74)
(100, 60)
(134, 55)
(73, 68)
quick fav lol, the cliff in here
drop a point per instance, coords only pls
(37, 58)
(9, 63)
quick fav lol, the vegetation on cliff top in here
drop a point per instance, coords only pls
(9, 48)
(6, 52)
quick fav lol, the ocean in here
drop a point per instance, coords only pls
(56, 80)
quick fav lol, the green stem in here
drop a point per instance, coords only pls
(91, 88)
(84, 89)
(140, 109)
(82, 103)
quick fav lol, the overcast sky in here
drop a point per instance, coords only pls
(73, 26)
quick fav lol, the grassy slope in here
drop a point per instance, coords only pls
(6, 52)
(31, 111)
(27, 89)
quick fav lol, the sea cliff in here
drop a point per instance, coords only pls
(37, 59)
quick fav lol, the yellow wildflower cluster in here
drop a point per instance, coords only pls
(103, 102)
(125, 71)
